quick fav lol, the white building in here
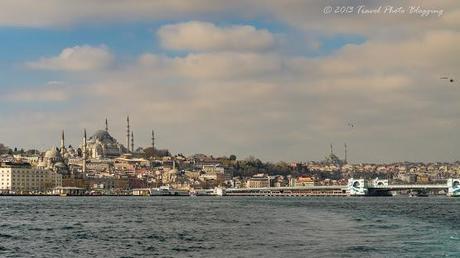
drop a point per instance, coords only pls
(23, 178)
(215, 172)
(213, 169)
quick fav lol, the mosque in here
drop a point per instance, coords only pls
(54, 161)
(333, 159)
(100, 147)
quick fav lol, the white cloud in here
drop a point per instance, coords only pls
(221, 65)
(234, 98)
(46, 94)
(204, 36)
(68, 12)
(304, 15)
(249, 102)
(77, 58)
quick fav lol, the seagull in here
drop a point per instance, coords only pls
(351, 125)
(447, 78)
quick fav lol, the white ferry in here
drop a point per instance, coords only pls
(168, 191)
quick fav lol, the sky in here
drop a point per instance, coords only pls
(278, 80)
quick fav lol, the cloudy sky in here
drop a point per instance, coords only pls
(279, 80)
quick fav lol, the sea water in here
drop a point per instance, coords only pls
(229, 227)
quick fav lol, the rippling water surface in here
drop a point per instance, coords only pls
(229, 227)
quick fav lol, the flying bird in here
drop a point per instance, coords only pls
(447, 78)
(351, 125)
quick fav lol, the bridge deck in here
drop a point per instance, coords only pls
(407, 187)
(319, 187)
(334, 187)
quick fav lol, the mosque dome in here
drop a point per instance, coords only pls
(102, 145)
(53, 153)
(60, 165)
(102, 136)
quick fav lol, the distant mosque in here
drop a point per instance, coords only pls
(334, 159)
(100, 146)
(56, 158)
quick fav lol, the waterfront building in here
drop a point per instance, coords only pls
(304, 181)
(258, 181)
(23, 178)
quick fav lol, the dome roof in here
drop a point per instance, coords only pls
(52, 153)
(102, 136)
(59, 164)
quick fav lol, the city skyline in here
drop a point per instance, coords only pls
(279, 83)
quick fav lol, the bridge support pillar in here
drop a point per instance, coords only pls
(453, 186)
(357, 187)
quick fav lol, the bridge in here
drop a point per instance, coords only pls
(355, 187)
(338, 190)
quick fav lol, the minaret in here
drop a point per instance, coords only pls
(345, 146)
(84, 151)
(127, 133)
(132, 141)
(106, 125)
(153, 140)
(62, 143)
(332, 152)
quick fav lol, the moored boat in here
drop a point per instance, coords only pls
(168, 191)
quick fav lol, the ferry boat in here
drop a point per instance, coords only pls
(168, 191)
(68, 191)
(418, 194)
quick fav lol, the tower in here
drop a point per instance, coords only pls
(332, 152)
(106, 125)
(346, 157)
(132, 141)
(127, 133)
(62, 143)
(84, 151)
(153, 140)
